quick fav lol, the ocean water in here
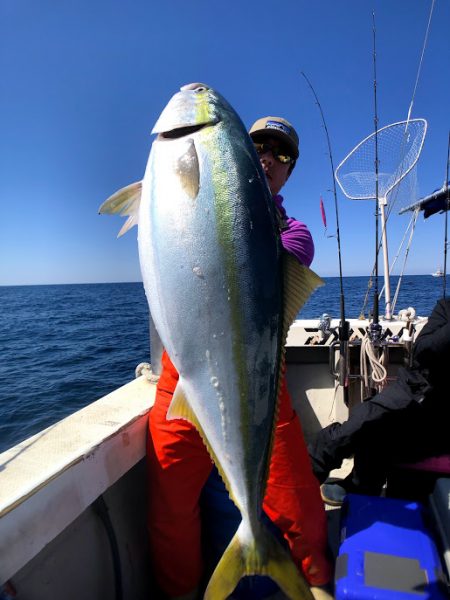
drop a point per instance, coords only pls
(64, 346)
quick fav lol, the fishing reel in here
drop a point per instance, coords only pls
(324, 326)
(375, 333)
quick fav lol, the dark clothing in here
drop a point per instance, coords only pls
(407, 421)
(432, 350)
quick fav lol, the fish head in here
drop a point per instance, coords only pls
(188, 130)
(193, 108)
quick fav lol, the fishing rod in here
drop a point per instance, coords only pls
(384, 218)
(344, 326)
(375, 327)
(446, 217)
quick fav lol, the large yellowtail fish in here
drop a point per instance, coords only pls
(222, 295)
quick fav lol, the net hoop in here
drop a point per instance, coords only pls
(386, 180)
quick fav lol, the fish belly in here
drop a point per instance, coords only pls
(211, 269)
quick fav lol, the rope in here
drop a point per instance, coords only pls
(146, 370)
(407, 314)
(371, 367)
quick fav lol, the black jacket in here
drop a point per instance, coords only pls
(432, 349)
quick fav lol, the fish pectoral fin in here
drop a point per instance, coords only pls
(299, 283)
(187, 170)
(246, 555)
(124, 202)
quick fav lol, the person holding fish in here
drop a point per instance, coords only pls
(184, 490)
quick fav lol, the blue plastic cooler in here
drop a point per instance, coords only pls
(386, 552)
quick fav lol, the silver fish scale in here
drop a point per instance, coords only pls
(211, 269)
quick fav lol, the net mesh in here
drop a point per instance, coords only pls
(399, 147)
(405, 192)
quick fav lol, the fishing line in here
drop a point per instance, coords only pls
(421, 59)
(344, 325)
(412, 224)
(408, 118)
(338, 236)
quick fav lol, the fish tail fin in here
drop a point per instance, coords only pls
(263, 555)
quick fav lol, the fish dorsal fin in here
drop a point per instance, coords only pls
(124, 202)
(181, 409)
(299, 282)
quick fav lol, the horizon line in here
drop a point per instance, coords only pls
(140, 281)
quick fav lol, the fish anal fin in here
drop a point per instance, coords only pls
(247, 556)
(181, 409)
(124, 202)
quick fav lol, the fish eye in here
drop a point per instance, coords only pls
(196, 87)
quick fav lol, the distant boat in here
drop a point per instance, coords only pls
(438, 273)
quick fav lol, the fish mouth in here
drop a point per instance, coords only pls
(180, 132)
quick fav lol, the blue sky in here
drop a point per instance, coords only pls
(83, 83)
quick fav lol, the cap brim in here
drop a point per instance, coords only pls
(280, 135)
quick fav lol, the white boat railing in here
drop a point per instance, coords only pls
(48, 480)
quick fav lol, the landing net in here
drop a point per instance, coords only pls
(398, 147)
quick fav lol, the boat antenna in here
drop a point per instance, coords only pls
(344, 326)
(375, 327)
(446, 216)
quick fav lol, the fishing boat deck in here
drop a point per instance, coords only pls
(55, 534)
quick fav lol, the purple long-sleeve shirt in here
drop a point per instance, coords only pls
(296, 239)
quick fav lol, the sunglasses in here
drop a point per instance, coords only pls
(278, 154)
